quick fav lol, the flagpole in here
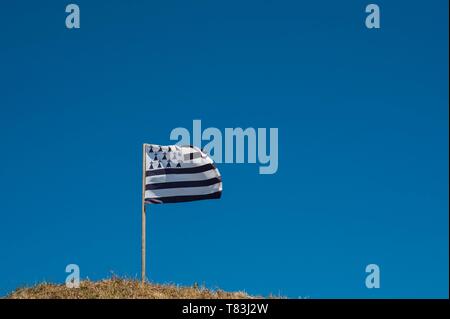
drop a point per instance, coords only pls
(143, 217)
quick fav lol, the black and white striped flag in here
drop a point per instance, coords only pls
(179, 174)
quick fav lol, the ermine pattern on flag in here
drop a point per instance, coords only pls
(179, 174)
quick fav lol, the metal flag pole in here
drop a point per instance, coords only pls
(143, 216)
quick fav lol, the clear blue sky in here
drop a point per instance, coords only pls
(363, 135)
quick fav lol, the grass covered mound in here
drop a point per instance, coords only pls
(117, 288)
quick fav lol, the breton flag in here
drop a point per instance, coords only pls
(179, 174)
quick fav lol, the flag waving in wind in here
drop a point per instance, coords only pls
(179, 174)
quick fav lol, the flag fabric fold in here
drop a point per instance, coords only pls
(179, 174)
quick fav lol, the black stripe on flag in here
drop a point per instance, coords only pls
(177, 199)
(187, 170)
(192, 156)
(205, 182)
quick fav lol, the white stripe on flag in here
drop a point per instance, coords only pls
(185, 191)
(166, 178)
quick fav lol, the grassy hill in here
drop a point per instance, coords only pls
(121, 288)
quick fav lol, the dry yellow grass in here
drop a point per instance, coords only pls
(117, 288)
